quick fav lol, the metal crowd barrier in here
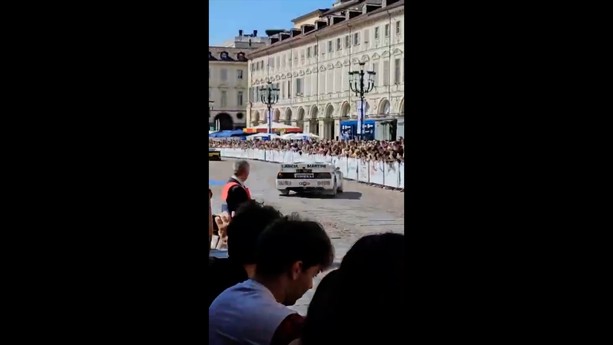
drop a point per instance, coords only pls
(378, 173)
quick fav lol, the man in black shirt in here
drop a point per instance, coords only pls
(243, 231)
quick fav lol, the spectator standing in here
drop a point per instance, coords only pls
(235, 193)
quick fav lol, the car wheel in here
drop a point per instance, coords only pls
(334, 190)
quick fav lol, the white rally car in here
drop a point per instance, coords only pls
(310, 177)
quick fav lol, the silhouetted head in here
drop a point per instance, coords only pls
(249, 221)
(364, 299)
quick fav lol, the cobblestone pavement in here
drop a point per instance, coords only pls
(361, 209)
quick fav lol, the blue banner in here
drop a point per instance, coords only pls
(349, 129)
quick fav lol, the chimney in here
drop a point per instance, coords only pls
(240, 33)
(255, 33)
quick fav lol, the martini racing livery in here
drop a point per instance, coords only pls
(301, 177)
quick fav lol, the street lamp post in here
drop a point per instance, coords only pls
(210, 108)
(269, 96)
(356, 84)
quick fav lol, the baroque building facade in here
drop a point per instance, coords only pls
(228, 82)
(310, 64)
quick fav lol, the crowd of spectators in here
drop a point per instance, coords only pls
(272, 262)
(373, 150)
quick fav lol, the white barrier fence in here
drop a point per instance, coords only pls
(379, 173)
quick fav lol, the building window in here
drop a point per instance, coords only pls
(356, 39)
(224, 98)
(366, 36)
(308, 52)
(387, 30)
(338, 78)
(375, 68)
(239, 74)
(329, 46)
(397, 71)
(398, 28)
(376, 33)
(224, 74)
(239, 98)
(330, 81)
(299, 87)
(322, 82)
(313, 84)
(289, 89)
(239, 116)
(347, 41)
(339, 46)
(386, 72)
(315, 50)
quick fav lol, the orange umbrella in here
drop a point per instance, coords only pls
(276, 128)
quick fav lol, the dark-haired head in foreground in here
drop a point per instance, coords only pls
(366, 293)
(250, 220)
(244, 229)
(290, 253)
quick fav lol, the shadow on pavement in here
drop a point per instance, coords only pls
(349, 195)
(343, 195)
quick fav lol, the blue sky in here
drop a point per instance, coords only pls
(226, 17)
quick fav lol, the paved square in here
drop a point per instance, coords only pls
(360, 210)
